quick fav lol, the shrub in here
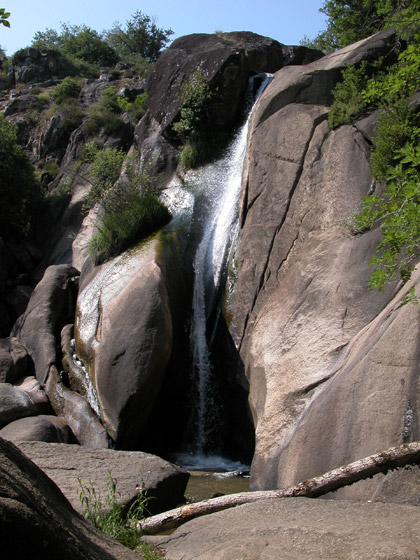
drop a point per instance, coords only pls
(348, 99)
(68, 88)
(104, 171)
(106, 114)
(136, 109)
(192, 128)
(395, 162)
(195, 93)
(71, 114)
(20, 194)
(128, 216)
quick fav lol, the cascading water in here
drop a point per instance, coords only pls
(219, 184)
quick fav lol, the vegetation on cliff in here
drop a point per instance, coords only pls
(20, 193)
(139, 42)
(390, 85)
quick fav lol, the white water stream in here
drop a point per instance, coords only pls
(220, 183)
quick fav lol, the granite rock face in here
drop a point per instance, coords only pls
(124, 337)
(302, 306)
(49, 309)
(164, 483)
(37, 521)
(298, 529)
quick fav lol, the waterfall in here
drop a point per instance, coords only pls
(220, 184)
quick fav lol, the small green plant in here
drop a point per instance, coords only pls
(348, 102)
(191, 128)
(128, 216)
(68, 88)
(104, 171)
(110, 516)
(106, 114)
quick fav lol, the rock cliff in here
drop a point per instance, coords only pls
(327, 385)
(330, 367)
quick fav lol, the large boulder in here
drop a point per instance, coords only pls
(49, 309)
(124, 338)
(25, 399)
(301, 295)
(298, 529)
(367, 403)
(31, 65)
(38, 522)
(64, 464)
(14, 360)
(226, 60)
(37, 428)
(78, 413)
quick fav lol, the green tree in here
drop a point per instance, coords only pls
(4, 17)
(350, 21)
(48, 39)
(77, 41)
(20, 194)
(141, 37)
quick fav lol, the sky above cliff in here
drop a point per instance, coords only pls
(286, 21)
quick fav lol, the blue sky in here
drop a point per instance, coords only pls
(287, 21)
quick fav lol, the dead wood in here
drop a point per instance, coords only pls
(394, 457)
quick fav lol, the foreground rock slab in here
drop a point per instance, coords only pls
(37, 522)
(299, 529)
(164, 482)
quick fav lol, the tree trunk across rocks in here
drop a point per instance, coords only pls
(394, 457)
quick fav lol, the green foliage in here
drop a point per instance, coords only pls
(108, 514)
(348, 99)
(104, 171)
(195, 94)
(398, 212)
(128, 211)
(395, 162)
(128, 217)
(69, 88)
(396, 83)
(20, 194)
(191, 129)
(352, 20)
(4, 17)
(77, 41)
(136, 109)
(106, 114)
(141, 37)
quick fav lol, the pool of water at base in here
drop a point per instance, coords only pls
(212, 475)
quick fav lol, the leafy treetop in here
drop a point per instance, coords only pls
(4, 16)
(350, 21)
(141, 37)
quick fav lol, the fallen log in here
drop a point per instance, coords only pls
(393, 458)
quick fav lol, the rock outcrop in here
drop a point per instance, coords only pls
(51, 306)
(37, 521)
(226, 60)
(124, 337)
(14, 360)
(298, 529)
(24, 399)
(163, 482)
(314, 341)
(43, 427)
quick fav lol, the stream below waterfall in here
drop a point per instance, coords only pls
(216, 188)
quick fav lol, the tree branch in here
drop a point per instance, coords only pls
(393, 458)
